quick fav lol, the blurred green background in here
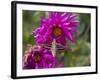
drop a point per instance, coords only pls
(80, 54)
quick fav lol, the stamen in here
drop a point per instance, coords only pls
(57, 31)
(37, 58)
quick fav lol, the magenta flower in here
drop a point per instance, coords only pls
(37, 58)
(59, 27)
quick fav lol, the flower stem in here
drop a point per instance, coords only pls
(53, 48)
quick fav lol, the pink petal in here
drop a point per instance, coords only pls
(57, 14)
(51, 14)
(70, 37)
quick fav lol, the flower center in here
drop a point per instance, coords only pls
(37, 58)
(57, 31)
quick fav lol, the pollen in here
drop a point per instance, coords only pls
(37, 58)
(57, 31)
